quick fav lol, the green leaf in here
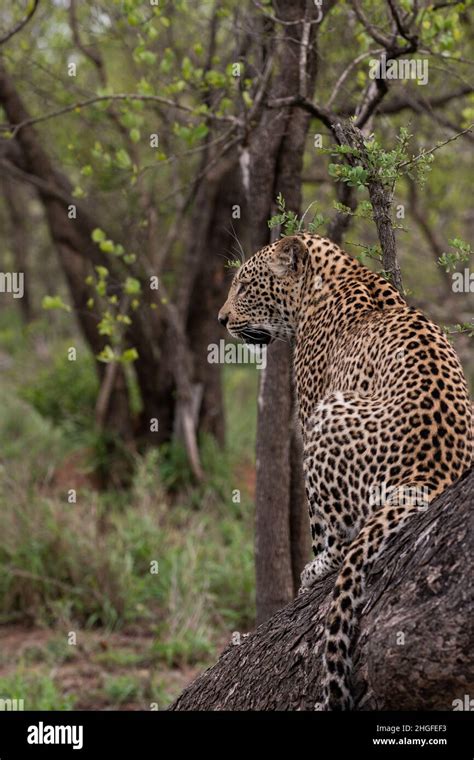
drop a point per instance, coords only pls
(144, 87)
(106, 355)
(123, 159)
(133, 19)
(135, 135)
(132, 286)
(106, 325)
(54, 302)
(146, 56)
(78, 192)
(106, 246)
(98, 235)
(216, 78)
(200, 131)
(187, 68)
(129, 355)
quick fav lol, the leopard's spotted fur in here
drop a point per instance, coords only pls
(383, 404)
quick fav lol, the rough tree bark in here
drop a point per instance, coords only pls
(380, 197)
(222, 237)
(276, 156)
(415, 646)
(15, 202)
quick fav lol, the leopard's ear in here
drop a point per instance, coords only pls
(288, 257)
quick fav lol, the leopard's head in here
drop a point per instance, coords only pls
(264, 296)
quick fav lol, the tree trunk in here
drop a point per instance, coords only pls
(415, 646)
(381, 197)
(273, 565)
(16, 203)
(150, 334)
(276, 155)
(219, 244)
(72, 237)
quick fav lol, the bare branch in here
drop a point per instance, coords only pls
(444, 122)
(436, 147)
(346, 73)
(46, 188)
(18, 27)
(109, 378)
(89, 52)
(412, 39)
(408, 101)
(388, 42)
(374, 31)
(431, 236)
(304, 57)
(15, 128)
(319, 112)
(376, 94)
(265, 12)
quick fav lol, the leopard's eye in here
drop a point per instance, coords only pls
(241, 287)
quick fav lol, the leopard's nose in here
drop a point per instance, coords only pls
(223, 320)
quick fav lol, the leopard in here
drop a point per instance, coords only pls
(383, 407)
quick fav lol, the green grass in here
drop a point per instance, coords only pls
(56, 652)
(148, 693)
(64, 391)
(121, 689)
(58, 563)
(38, 691)
(240, 398)
(86, 565)
(122, 658)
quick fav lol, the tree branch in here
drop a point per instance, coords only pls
(15, 128)
(397, 104)
(18, 27)
(436, 147)
(89, 52)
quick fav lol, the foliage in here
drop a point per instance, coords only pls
(39, 692)
(288, 220)
(88, 562)
(65, 391)
(460, 255)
